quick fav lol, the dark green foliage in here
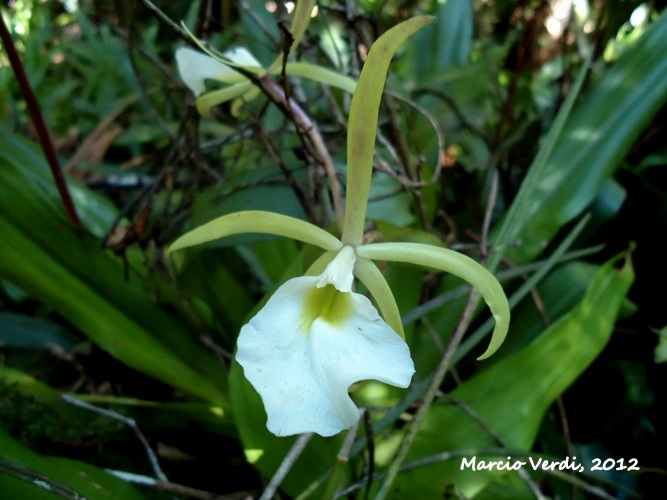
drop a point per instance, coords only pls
(496, 138)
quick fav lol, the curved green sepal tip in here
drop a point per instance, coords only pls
(458, 265)
(256, 221)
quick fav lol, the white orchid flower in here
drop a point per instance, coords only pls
(323, 339)
(194, 67)
(315, 336)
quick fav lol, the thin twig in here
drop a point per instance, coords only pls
(173, 27)
(436, 128)
(130, 422)
(431, 391)
(20, 471)
(259, 22)
(276, 94)
(311, 131)
(305, 200)
(342, 458)
(296, 450)
(500, 441)
(40, 125)
(178, 489)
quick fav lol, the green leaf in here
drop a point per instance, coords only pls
(97, 213)
(512, 396)
(388, 202)
(43, 474)
(448, 43)
(26, 332)
(594, 140)
(68, 270)
(660, 351)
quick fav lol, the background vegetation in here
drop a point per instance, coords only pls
(529, 135)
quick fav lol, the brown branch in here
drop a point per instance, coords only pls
(40, 125)
(287, 106)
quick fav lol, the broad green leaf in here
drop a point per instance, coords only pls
(26, 332)
(96, 212)
(68, 270)
(595, 138)
(512, 396)
(74, 477)
(660, 351)
(206, 274)
(448, 43)
(388, 202)
(559, 292)
(148, 414)
(31, 387)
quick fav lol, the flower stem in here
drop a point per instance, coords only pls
(310, 130)
(296, 450)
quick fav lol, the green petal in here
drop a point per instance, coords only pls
(454, 263)
(255, 221)
(321, 75)
(369, 274)
(207, 101)
(238, 103)
(362, 126)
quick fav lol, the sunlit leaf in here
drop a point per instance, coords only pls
(512, 396)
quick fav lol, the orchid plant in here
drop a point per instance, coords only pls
(195, 67)
(315, 336)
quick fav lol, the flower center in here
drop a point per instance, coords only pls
(328, 304)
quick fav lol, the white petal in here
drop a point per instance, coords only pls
(302, 372)
(339, 271)
(194, 67)
(242, 56)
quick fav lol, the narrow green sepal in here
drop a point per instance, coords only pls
(320, 74)
(364, 111)
(369, 274)
(457, 264)
(210, 99)
(256, 221)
